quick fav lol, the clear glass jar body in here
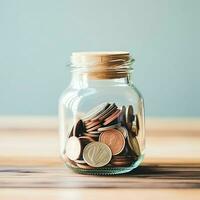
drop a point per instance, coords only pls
(76, 102)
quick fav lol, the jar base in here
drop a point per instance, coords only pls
(108, 171)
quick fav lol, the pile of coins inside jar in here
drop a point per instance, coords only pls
(105, 136)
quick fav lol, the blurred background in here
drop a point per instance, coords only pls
(38, 37)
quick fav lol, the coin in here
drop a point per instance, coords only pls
(122, 160)
(122, 117)
(108, 112)
(73, 148)
(78, 128)
(94, 132)
(95, 111)
(129, 117)
(129, 114)
(134, 129)
(121, 163)
(123, 130)
(109, 127)
(86, 139)
(94, 128)
(134, 145)
(71, 163)
(104, 112)
(137, 122)
(84, 166)
(92, 124)
(114, 139)
(93, 136)
(112, 117)
(97, 154)
(80, 161)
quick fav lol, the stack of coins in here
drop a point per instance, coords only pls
(105, 136)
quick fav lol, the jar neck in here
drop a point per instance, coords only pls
(80, 80)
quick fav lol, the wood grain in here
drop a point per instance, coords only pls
(147, 176)
(30, 168)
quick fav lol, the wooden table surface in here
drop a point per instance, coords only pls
(30, 168)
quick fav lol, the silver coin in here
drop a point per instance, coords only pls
(108, 113)
(110, 107)
(95, 111)
(73, 148)
(80, 161)
(134, 145)
(134, 129)
(97, 154)
(124, 131)
(94, 132)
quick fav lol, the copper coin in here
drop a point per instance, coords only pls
(84, 166)
(114, 139)
(121, 163)
(80, 161)
(71, 163)
(92, 124)
(108, 113)
(112, 108)
(78, 128)
(86, 139)
(73, 148)
(109, 127)
(95, 111)
(94, 128)
(122, 158)
(122, 117)
(103, 113)
(111, 118)
(93, 136)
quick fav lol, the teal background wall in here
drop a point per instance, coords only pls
(38, 36)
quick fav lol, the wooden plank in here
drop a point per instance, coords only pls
(36, 148)
(98, 194)
(154, 176)
(30, 167)
(50, 123)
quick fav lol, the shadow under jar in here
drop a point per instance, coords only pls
(101, 115)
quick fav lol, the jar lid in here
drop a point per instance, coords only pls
(104, 59)
(103, 65)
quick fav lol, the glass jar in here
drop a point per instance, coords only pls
(101, 115)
